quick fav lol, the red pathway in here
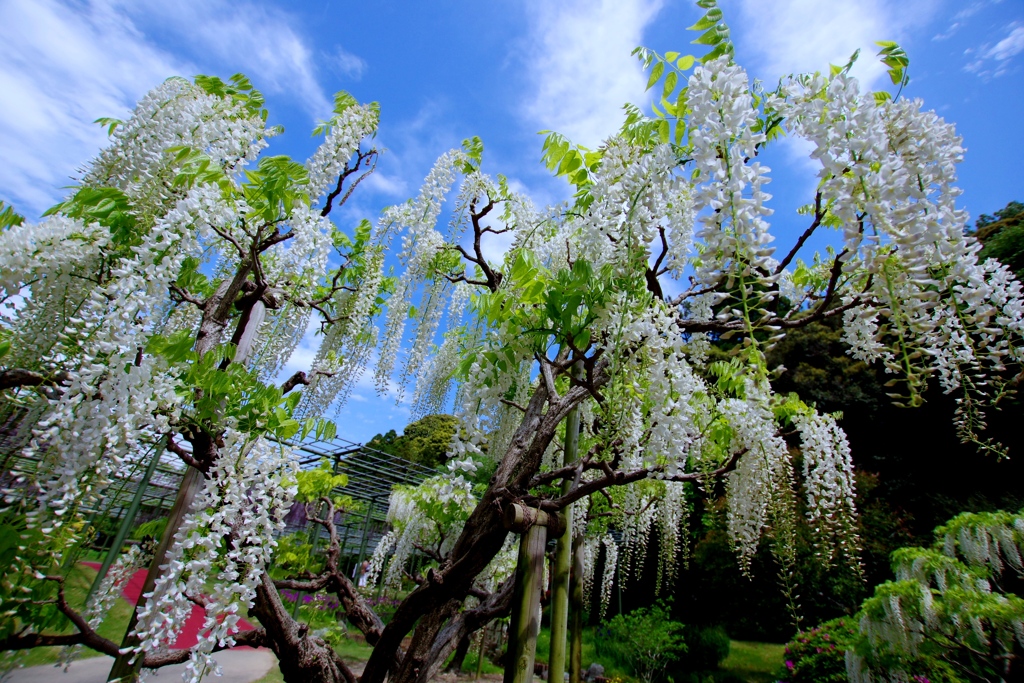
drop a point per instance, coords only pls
(189, 635)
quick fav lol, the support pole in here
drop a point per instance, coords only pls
(563, 559)
(480, 654)
(576, 613)
(126, 524)
(522, 647)
(124, 671)
(534, 525)
(366, 531)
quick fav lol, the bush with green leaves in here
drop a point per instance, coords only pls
(706, 648)
(646, 641)
(818, 655)
(154, 528)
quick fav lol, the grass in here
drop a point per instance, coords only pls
(272, 676)
(349, 649)
(75, 589)
(755, 662)
(352, 650)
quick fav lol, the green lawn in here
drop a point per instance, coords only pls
(350, 650)
(755, 662)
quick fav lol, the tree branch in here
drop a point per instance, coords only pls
(294, 381)
(818, 215)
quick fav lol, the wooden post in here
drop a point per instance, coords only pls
(534, 526)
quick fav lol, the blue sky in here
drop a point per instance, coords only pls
(448, 69)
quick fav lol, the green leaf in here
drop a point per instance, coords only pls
(671, 56)
(882, 96)
(8, 217)
(712, 17)
(474, 148)
(663, 131)
(720, 50)
(110, 123)
(670, 84)
(686, 62)
(655, 74)
(5, 347)
(709, 37)
(342, 101)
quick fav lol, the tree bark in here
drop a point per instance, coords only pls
(459, 658)
(302, 656)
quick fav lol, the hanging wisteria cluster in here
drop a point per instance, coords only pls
(163, 298)
(226, 542)
(948, 602)
(426, 521)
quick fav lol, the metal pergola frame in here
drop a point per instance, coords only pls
(372, 474)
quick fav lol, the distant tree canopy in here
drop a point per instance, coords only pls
(424, 441)
(1003, 236)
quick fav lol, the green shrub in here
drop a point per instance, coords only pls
(818, 655)
(705, 648)
(645, 641)
(154, 528)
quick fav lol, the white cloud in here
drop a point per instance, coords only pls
(961, 17)
(64, 64)
(62, 68)
(347, 63)
(1009, 46)
(386, 184)
(240, 36)
(580, 67)
(994, 61)
(792, 36)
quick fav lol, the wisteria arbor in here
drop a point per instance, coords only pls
(607, 306)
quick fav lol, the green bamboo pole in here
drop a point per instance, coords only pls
(563, 559)
(124, 670)
(480, 655)
(576, 613)
(126, 525)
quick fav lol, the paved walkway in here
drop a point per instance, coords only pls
(239, 666)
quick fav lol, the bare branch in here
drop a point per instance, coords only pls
(17, 377)
(818, 215)
(184, 295)
(294, 381)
